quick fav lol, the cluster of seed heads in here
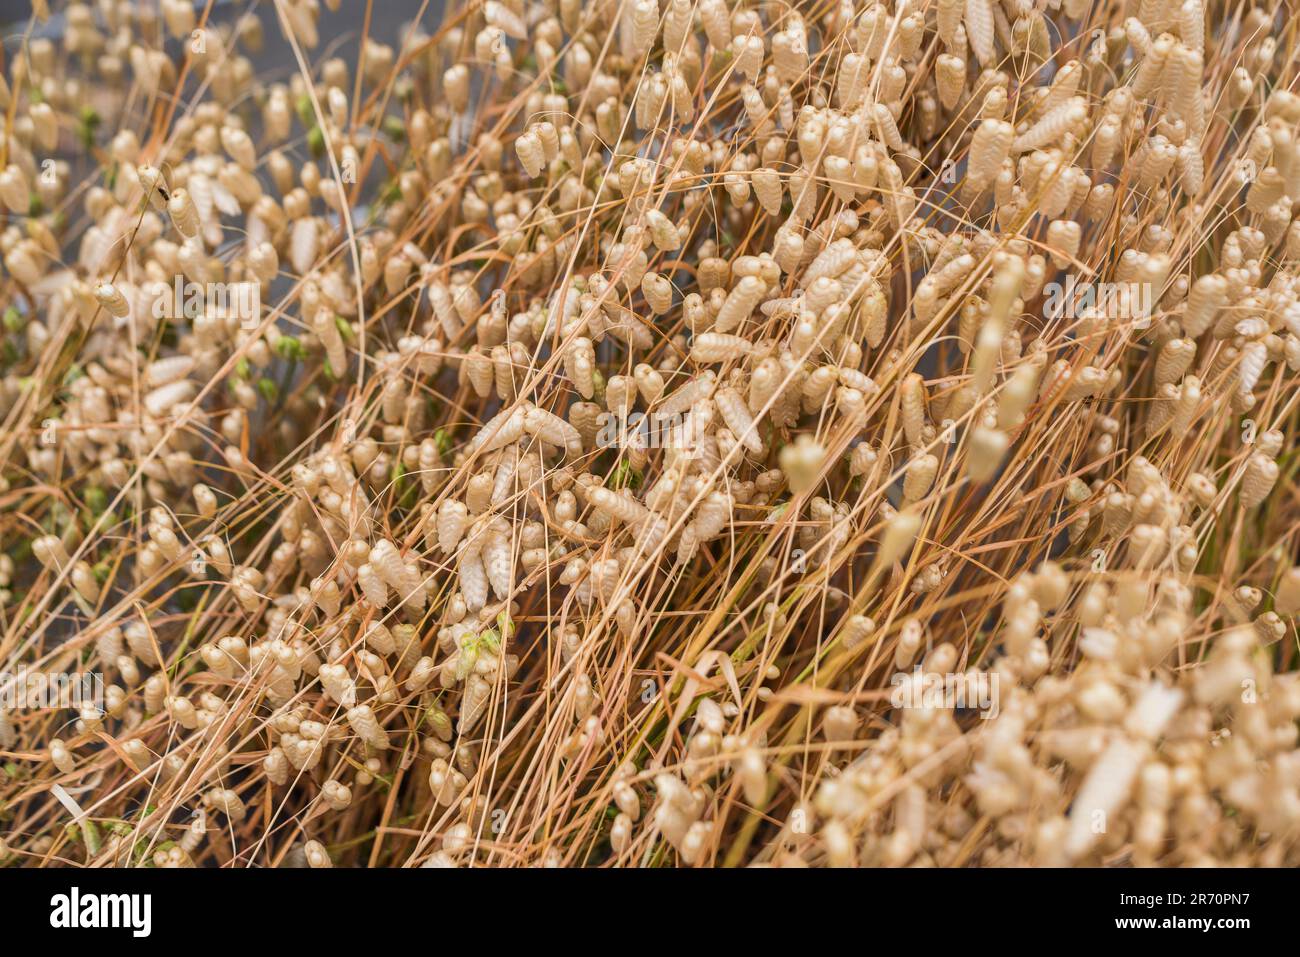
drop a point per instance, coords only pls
(638, 405)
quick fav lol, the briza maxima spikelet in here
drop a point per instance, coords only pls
(549, 377)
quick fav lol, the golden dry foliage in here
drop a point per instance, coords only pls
(621, 433)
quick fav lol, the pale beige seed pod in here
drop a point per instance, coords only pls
(336, 794)
(304, 243)
(649, 383)
(473, 579)
(748, 53)
(580, 366)
(989, 147)
(1173, 360)
(1053, 126)
(109, 646)
(239, 146)
(678, 15)
(14, 190)
(839, 177)
(658, 292)
(863, 459)
(790, 55)
(276, 766)
(1188, 405)
(23, 264)
(362, 721)
(740, 303)
(396, 270)
(886, 127)
(552, 429)
(141, 641)
(985, 451)
(337, 103)
(478, 492)
(46, 129)
(1191, 24)
(663, 232)
(217, 661)
(857, 629)
(421, 674)
(504, 428)
(1287, 599)
(919, 477)
(327, 332)
(768, 189)
(979, 22)
(1163, 408)
(818, 386)
(474, 703)
(532, 156)
(1207, 296)
(138, 756)
(316, 855)
(764, 383)
(338, 684)
(1106, 141)
(479, 370)
(1191, 168)
(789, 249)
(183, 213)
(453, 519)
(380, 639)
(716, 20)
(951, 274)
(620, 833)
(618, 506)
(387, 561)
(644, 24)
(874, 311)
(1156, 157)
(1063, 238)
(455, 87)
(1151, 69)
(180, 17)
(497, 561)
(1254, 359)
(709, 347)
(236, 649)
(1017, 395)
(949, 17)
(166, 541)
(61, 757)
(550, 139)
(1258, 479)
(325, 593)
(182, 711)
(1137, 34)
(154, 185)
(372, 585)
(264, 262)
(898, 537)
(913, 408)
(950, 76)
(1185, 94)
(171, 369)
(910, 639)
(738, 418)
(227, 802)
(751, 771)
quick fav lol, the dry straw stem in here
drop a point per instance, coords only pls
(632, 400)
